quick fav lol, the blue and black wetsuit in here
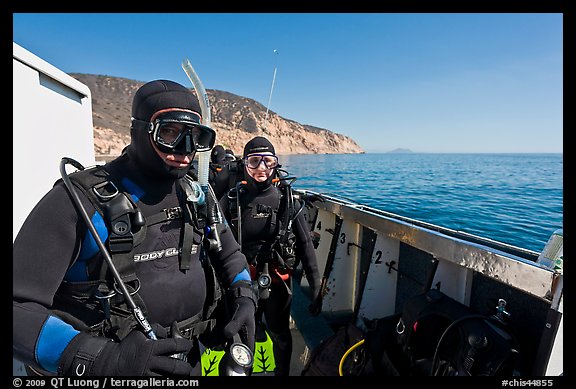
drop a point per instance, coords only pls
(53, 252)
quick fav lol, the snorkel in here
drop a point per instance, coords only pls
(214, 215)
(203, 157)
(238, 359)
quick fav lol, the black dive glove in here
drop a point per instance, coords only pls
(244, 301)
(135, 355)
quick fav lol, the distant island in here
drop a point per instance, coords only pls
(399, 151)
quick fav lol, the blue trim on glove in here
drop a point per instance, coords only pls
(54, 337)
(244, 275)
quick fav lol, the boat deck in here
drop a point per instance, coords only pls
(307, 330)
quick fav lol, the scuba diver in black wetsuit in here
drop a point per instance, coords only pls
(230, 170)
(275, 237)
(69, 315)
(217, 159)
(220, 158)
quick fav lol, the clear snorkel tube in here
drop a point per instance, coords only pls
(214, 215)
(204, 156)
(239, 358)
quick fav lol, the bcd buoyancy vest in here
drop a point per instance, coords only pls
(280, 210)
(97, 305)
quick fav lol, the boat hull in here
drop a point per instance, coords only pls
(373, 262)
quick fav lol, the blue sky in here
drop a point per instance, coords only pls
(428, 82)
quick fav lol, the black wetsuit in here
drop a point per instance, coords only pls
(52, 248)
(229, 174)
(260, 227)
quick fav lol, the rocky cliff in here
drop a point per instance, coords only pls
(235, 119)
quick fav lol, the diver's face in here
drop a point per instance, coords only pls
(174, 160)
(260, 166)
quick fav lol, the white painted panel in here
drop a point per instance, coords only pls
(455, 281)
(341, 286)
(52, 118)
(379, 297)
(323, 229)
(556, 363)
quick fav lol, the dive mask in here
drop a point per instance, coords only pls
(180, 132)
(254, 160)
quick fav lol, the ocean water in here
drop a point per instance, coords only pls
(511, 198)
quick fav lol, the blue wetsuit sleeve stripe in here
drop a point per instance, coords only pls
(79, 270)
(54, 338)
(242, 276)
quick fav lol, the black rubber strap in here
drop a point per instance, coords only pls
(79, 356)
(244, 289)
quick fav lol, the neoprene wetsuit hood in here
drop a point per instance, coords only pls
(149, 99)
(218, 154)
(258, 145)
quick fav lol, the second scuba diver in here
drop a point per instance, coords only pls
(274, 236)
